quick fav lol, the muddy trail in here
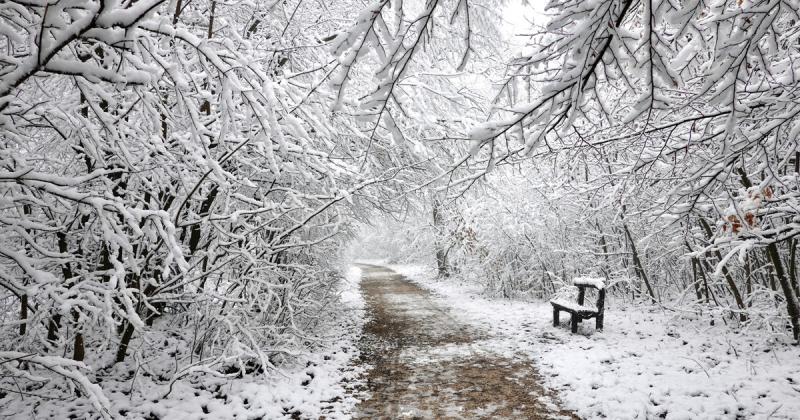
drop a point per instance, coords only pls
(427, 365)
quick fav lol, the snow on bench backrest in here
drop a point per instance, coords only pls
(595, 282)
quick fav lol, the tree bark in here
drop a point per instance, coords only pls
(441, 252)
(737, 296)
(637, 263)
(23, 314)
(788, 291)
(122, 350)
(696, 281)
(793, 267)
(78, 351)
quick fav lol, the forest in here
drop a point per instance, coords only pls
(185, 186)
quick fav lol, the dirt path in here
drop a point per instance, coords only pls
(425, 364)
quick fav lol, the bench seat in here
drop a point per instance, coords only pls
(573, 306)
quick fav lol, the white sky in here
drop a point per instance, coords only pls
(519, 14)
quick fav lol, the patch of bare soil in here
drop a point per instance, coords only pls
(426, 365)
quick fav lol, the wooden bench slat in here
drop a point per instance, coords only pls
(573, 306)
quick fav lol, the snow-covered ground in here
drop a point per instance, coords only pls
(316, 385)
(647, 363)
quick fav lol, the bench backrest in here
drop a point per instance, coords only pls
(601, 295)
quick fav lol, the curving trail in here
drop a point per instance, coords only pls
(426, 365)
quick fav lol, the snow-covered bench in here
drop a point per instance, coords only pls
(571, 299)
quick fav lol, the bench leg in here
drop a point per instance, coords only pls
(555, 317)
(599, 323)
(574, 323)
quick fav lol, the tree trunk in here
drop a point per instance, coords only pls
(23, 314)
(122, 351)
(749, 286)
(737, 296)
(604, 247)
(78, 351)
(66, 271)
(52, 329)
(441, 252)
(637, 263)
(696, 281)
(793, 267)
(788, 290)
